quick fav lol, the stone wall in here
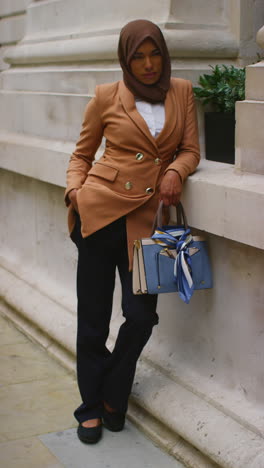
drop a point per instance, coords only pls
(12, 25)
(201, 375)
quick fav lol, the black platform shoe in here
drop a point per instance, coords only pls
(113, 421)
(89, 435)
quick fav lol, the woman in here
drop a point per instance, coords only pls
(147, 119)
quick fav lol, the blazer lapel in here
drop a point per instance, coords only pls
(170, 117)
(128, 102)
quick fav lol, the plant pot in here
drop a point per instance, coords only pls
(220, 137)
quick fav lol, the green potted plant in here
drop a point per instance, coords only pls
(219, 92)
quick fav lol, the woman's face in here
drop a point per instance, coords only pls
(146, 63)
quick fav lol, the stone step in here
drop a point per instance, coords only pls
(3, 64)
(82, 79)
(60, 79)
(47, 115)
(12, 29)
(9, 8)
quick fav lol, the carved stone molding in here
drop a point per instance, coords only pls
(260, 38)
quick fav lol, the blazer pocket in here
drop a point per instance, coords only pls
(104, 171)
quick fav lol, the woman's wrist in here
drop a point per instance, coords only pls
(175, 172)
(71, 193)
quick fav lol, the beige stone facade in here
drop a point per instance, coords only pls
(201, 376)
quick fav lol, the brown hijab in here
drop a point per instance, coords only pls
(131, 36)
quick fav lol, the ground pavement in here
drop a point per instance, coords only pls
(37, 429)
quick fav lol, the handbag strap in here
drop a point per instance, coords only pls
(181, 219)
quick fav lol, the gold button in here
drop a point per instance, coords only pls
(157, 161)
(139, 156)
(128, 185)
(149, 190)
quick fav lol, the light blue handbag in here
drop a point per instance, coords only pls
(172, 260)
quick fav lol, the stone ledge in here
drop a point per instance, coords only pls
(33, 157)
(235, 196)
(214, 187)
(200, 435)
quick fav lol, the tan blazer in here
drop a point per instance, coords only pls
(126, 179)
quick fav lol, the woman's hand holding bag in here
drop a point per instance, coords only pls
(172, 260)
(171, 188)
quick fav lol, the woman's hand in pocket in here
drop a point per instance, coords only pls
(73, 199)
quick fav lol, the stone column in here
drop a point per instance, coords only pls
(250, 118)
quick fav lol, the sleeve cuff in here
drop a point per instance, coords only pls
(66, 197)
(175, 170)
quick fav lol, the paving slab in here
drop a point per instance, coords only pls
(27, 453)
(37, 427)
(35, 407)
(22, 362)
(125, 449)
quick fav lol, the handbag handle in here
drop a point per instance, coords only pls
(181, 219)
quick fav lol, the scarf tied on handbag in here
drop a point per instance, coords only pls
(179, 239)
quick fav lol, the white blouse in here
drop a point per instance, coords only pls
(153, 114)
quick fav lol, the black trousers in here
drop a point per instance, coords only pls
(104, 375)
